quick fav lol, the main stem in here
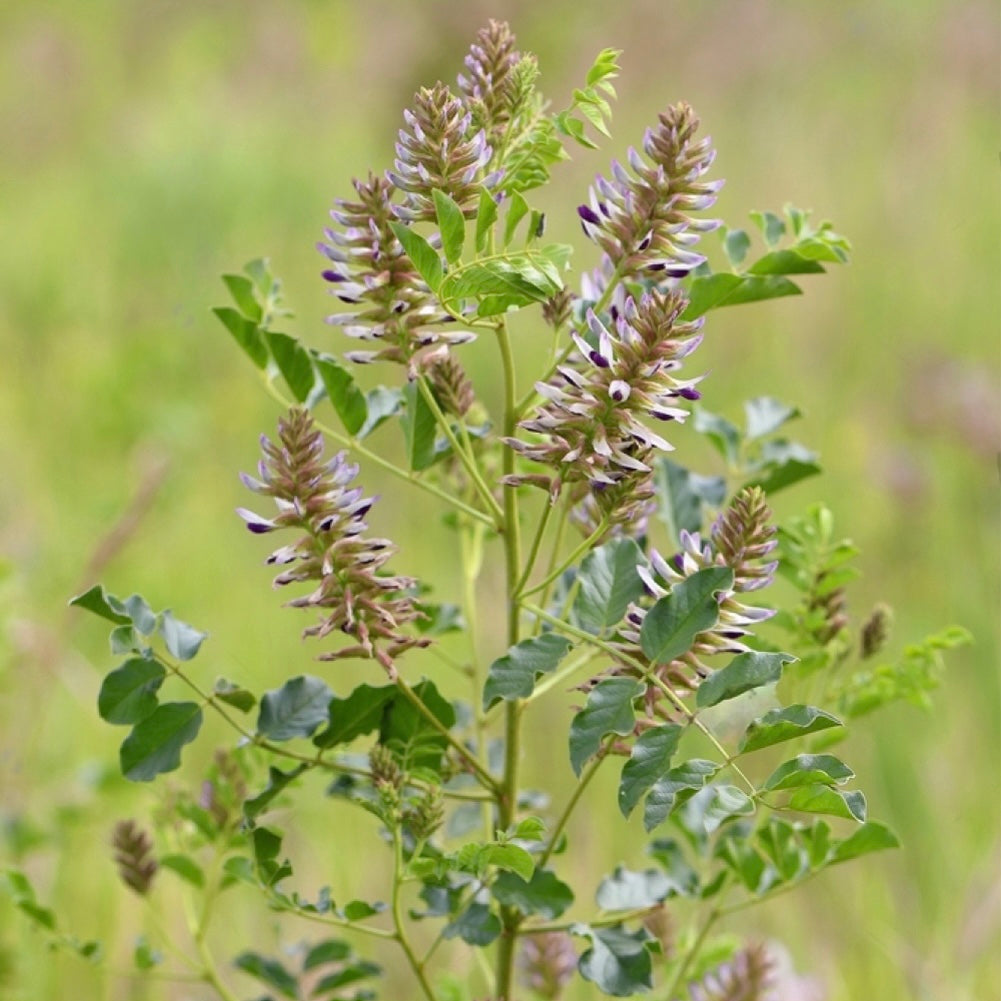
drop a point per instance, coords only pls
(508, 799)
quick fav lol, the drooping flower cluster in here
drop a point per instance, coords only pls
(593, 419)
(641, 219)
(439, 149)
(741, 539)
(134, 856)
(314, 496)
(371, 272)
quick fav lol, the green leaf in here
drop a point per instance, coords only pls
(785, 262)
(870, 837)
(381, 403)
(144, 956)
(419, 428)
(359, 969)
(510, 858)
(609, 709)
(735, 850)
(128, 694)
(543, 895)
(626, 890)
(789, 723)
(517, 211)
(618, 961)
(709, 292)
(246, 333)
(513, 676)
(234, 695)
(765, 415)
(333, 950)
(185, 867)
(607, 583)
(681, 496)
(107, 606)
(670, 627)
(343, 392)
(406, 731)
(182, 641)
(649, 761)
(506, 281)
(736, 244)
(486, 216)
(744, 673)
(669, 791)
(451, 224)
(278, 781)
(711, 807)
(779, 843)
(757, 288)
(293, 362)
(18, 887)
(294, 710)
(834, 802)
(360, 713)
(809, 769)
(724, 436)
(358, 910)
(476, 925)
(772, 227)
(782, 464)
(268, 971)
(683, 879)
(242, 291)
(421, 253)
(154, 745)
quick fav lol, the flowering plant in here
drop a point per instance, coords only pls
(642, 587)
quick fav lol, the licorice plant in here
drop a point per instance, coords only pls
(640, 586)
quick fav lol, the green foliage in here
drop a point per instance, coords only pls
(446, 247)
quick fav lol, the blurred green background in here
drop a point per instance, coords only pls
(150, 145)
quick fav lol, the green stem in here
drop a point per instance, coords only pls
(317, 760)
(691, 955)
(486, 779)
(508, 794)
(584, 547)
(467, 460)
(349, 441)
(564, 818)
(609, 921)
(398, 922)
(529, 398)
(533, 552)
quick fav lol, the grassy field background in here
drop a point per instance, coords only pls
(149, 146)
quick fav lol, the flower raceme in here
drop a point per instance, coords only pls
(593, 418)
(640, 217)
(314, 495)
(741, 539)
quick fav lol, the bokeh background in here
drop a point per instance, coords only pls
(149, 145)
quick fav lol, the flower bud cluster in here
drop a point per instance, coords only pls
(749, 976)
(640, 217)
(134, 856)
(439, 149)
(593, 418)
(490, 84)
(548, 962)
(741, 539)
(314, 495)
(370, 271)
